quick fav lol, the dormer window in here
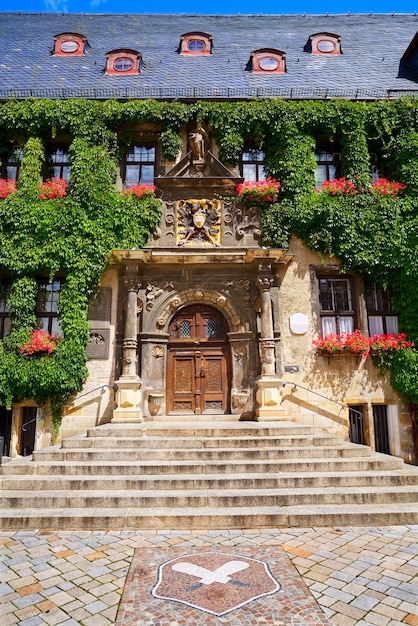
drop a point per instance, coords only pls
(196, 44)
(324, 43)
(69, 44)
(268, 61)
(408, 67)
(123, 62)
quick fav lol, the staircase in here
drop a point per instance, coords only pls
(206, 475)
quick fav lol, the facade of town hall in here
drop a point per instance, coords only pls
(212, 318)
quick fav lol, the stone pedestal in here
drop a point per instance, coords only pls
(269, 398)
(128, 401)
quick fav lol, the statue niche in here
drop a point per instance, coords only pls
(198, 142)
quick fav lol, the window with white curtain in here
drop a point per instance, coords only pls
(380, 310)
(336, 305)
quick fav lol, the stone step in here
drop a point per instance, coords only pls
(207, 498)
(210, 518)
(202, 429)
(201, 454)
(146, 442)
(206, 475)
(284, 480)
(374, 462)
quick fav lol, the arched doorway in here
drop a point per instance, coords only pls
(198, 365)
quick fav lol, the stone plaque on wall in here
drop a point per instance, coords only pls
(98, 344)
(100, 305)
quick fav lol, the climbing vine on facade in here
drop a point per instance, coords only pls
(372, 234)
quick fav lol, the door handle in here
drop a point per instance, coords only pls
(202, 373)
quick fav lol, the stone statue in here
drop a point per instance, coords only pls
(197, 144)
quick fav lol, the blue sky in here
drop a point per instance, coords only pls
(214, 6)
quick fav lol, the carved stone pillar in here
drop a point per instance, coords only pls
(242, 383)
(128, 394)
(268, 385)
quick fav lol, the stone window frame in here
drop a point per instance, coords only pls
(114, 56)
(140, 143)
(337, 312)
(63, 38)
(379, 304)
(47, 301)
(257, 57)
(197, 36)
(5, 322)
(255, 158)
(60, 167)
(327, 156)
(12, 161)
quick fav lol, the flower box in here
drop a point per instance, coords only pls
(7, 186)
(40, 343)
(140, 191)
(259, 191)
(357, 344)
(53, 188)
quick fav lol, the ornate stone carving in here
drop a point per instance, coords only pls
(98, 344)
(132, 284)
(157, 352)
(236, 322)
(221, 301)
(155, 402)
(264, 282)
(248, 221)
(239, 398)
(154, 291)
(240, 351)
(243, 286)
(267, 348)
(175, 303)
(198, 222)
(130, 343)
(96, 338)
(161, 321)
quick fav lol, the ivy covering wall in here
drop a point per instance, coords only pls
(373, 235)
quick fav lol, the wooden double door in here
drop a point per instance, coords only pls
(198, 370)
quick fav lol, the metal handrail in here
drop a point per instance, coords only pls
(101, 387)
(341, 404)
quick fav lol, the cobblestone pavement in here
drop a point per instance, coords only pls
(366, 576)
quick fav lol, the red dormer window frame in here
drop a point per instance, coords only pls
(324, 41)
(268, 61)
(196, 44)
(117, 59)
(70, 38)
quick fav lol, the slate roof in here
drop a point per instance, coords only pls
(369, 67)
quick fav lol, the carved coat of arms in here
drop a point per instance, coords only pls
(198, 222)
(214, 582)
